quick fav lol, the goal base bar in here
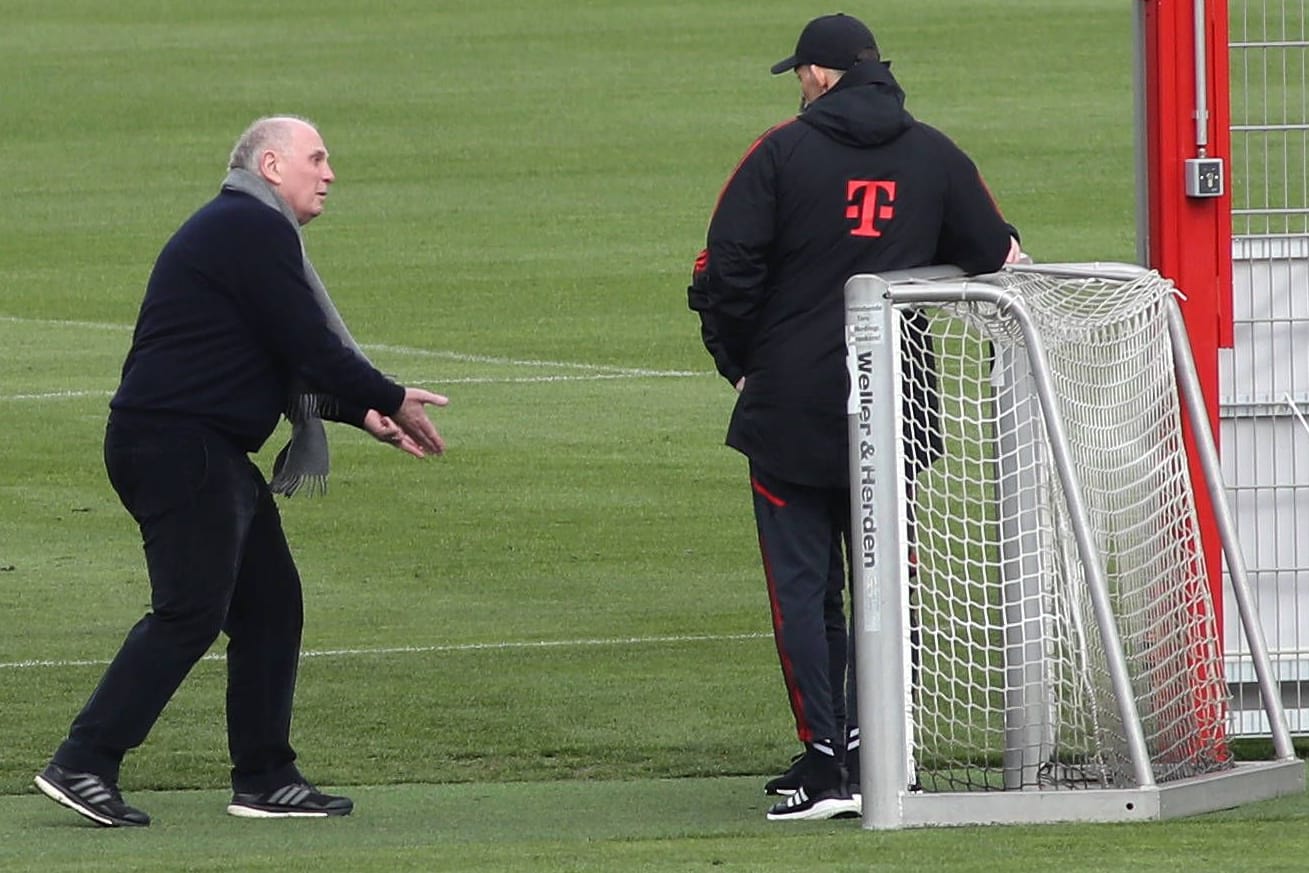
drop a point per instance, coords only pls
(1245, 783)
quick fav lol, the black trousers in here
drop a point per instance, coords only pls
(218, 561)
(804, 536)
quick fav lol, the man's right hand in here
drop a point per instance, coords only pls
(413, 420)
(1016, 254)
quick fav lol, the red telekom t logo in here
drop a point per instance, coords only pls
(869, 202)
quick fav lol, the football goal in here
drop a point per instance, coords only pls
(1036, 638)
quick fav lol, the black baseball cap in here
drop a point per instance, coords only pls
(832, 41)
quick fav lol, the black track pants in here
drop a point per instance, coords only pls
(803, 537)
(218, 562)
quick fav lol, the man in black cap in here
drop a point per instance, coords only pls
(853, 184)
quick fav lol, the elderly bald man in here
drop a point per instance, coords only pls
(235, 330)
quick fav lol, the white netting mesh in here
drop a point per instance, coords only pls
(1010, 683)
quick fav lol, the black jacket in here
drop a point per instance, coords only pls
(228, 319)
(854, 184)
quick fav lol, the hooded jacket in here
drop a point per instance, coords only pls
(853, 184)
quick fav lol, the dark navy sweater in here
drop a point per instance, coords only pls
(228, 320)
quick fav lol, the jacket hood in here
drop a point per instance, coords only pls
(865, 108)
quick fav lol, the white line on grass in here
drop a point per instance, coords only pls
(420, 650)
(526, 362)
(435, 383)
(593, 377)
(596, 371)
(62, 322)
(57, 395)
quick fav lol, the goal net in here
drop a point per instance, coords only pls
(1036, 588)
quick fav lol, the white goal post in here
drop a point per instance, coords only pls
(1035, 637)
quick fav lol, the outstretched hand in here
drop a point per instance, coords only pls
(408, 428)
(385, 430)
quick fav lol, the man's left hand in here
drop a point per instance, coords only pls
(387, 431)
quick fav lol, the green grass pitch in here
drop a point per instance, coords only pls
(548, 650)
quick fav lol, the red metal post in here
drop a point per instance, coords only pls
(1190, 238)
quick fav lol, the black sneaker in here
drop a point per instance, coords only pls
(832, 803)
(789, 781)
(90, 796)
(294, 800)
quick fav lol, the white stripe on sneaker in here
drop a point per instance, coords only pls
(50, 790)
(290, 795)
(90, 790)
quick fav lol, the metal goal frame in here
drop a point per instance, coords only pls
(878, 558)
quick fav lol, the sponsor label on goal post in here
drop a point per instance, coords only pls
(877, 556)
(863, 331)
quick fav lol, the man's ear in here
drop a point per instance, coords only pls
(270, 167)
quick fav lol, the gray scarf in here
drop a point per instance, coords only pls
(304, 461)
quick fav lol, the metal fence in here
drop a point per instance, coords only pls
(1264, 377)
